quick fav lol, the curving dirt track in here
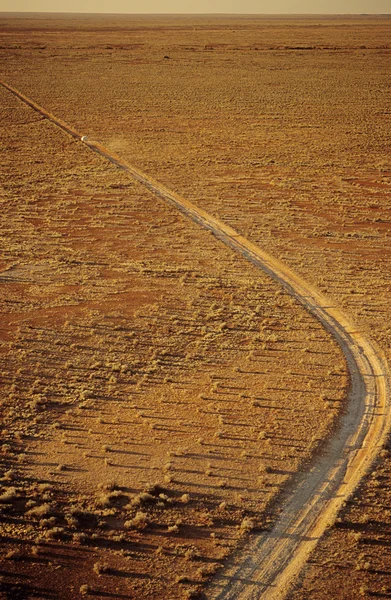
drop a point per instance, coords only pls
(269, 564)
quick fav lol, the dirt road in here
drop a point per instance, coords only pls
(269, 564)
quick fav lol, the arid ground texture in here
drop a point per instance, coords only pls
(159, 392)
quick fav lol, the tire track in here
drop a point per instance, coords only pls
(269, 564)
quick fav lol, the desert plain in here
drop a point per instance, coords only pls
(160, 392)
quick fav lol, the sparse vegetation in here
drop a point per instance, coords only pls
(135, 345)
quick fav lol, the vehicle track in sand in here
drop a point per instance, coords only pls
(270, 562)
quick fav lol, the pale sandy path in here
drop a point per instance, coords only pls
(269, 564)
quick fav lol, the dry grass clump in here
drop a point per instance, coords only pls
(248, 524)
(8, 495)
(13, 555)
(139, 521)
(101, 569)
(40, 511)
(55, 533)
(111, 498)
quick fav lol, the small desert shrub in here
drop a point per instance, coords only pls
(39, 512)
(56, 533)
(7, 496)
(182, 579)
(139, 521)
(193, 594)
(45, 487)
(100, 569)
(36, 550)
(71, 521)
(205, 519)
(106, 500)
(80, 538)
(192, 553)
(364, 519)
(355, 535)
(173, 529)
(141, 499)
(110, 486)
(263, 468)
(81, 518)
(247, 525)
(85, 590)
(47, 523)
(154, 489)
(9, 475)
(13, 555)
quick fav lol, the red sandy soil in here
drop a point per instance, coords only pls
(126, 322)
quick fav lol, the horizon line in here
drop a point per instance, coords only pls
(187, 14)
